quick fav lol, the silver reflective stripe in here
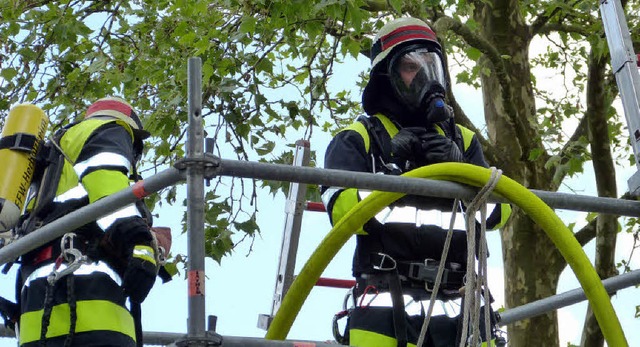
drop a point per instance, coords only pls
(84, 269)
(143, 252)
(409, 214)
(77, 192)
(127, 211)
(102, 159)
(328, 194)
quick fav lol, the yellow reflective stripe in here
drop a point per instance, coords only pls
(439, 129)
(101, 183)
(343, 204)
(365, 338)
(467, 136)
(68, 179)
(92, 315)
(492, 344)
(505, 212)
(360, 129)
(145, 253)
(391, 128)
(72, 144)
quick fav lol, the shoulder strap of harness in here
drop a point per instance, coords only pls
(50, 161)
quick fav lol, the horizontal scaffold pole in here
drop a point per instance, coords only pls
(89, 213)
(417, 186)
(309, 175)
(152, 338)
(162, 338)
(571, 297)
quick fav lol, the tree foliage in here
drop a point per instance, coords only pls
(266, 68)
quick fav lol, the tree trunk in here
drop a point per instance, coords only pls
(598, 102)
(532, 262)
(532, 268)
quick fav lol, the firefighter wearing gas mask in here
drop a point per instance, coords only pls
(407, 125)
(72, 291)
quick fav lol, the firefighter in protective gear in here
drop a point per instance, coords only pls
(407, 125)
(73, 291)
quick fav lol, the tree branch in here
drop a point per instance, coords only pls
(462, 119)
(444, 24)
(565, 153)
(561, 27)
(587, 233)
(542, 21)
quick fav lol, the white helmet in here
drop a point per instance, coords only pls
(401, 31)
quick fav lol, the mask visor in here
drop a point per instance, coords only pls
(414, 73)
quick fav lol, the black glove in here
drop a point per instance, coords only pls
(406, 147)
(140, 274)
(437, 148)
(127, 246)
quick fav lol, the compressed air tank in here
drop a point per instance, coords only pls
(21, 137)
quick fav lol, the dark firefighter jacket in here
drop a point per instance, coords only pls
(364, 146)
(102, 157)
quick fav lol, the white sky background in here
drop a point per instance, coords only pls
(242, 287)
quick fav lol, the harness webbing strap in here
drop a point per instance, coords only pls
(397, 302)
(136, 312)
(18, 142)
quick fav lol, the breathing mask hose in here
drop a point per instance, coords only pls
(472, 175)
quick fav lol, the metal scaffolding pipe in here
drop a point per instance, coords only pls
(163, 339)
(195, 208)
(153, 338)
(89, 213)
(281, 172)
(417, 186)
(571, 297)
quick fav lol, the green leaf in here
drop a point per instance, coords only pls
(8, 73)
(396, 5)
(248, 25)
(473, 53)
(535, 153)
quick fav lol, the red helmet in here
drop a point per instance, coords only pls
(120, 109)
(401, 31)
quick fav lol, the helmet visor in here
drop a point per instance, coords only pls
(413, 73)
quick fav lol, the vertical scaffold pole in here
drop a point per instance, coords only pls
(195, 206)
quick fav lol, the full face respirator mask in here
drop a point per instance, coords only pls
(417, 77)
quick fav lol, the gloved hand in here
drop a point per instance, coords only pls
(406, 147)
(437, 148)
(140, 274)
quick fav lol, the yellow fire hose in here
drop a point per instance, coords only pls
(472, 175)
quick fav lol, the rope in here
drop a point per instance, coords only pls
(473, 288)
(436, 285)
(46, 315)
(73, 314)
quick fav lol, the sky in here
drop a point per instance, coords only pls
(241, 288)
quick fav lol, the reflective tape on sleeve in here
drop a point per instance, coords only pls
(102, 159)
(128, 211)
